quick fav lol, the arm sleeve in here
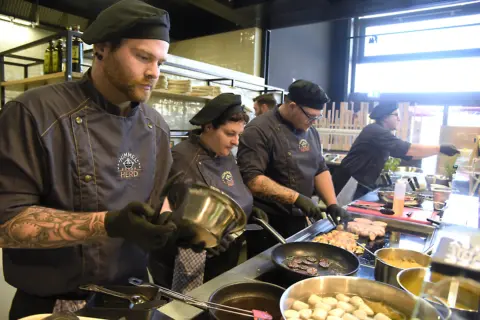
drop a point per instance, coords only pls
(386, 140)
(22, 161)
(253, 154)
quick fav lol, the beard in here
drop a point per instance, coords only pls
(124, 81)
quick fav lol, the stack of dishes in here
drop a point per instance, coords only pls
(206, 91)
(179, 86)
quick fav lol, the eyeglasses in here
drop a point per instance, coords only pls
(309, 116)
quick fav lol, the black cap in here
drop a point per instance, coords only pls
(225, 102)
(307, 94)
(383, 109)
(129, 19)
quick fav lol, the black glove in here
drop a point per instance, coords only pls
(222, 247)
(449, 150)
(259, 214)
(134, 223)
(337, 213)
(308, 207)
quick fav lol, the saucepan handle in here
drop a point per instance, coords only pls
(270, 229)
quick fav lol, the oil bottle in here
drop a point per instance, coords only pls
(77, 52)
(54, 58)
(59, 65)
(47, 59)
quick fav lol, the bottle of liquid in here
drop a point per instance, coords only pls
(47, 59)
(55, 59)
(60, 50)
(399, 197)
(77, 52)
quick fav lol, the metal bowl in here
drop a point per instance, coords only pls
(395, 298)
(411, 280)
(387, 273)
(212, 213)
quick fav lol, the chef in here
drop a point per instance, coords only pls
(280, 159)
(206, 158)
(82, 166)
(374, 145)
(263, 103)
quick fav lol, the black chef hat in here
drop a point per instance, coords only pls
(307, 94)
(383, 109)
(225, 102)
(130, 19)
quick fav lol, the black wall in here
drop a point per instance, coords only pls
(315, 52)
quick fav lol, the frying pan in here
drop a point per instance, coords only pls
(344, 263)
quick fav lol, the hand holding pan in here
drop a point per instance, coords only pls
(340, 261)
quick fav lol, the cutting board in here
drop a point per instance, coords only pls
(417, 216)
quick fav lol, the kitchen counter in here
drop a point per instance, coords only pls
(258, 268)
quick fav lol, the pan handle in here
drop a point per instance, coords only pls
(270, 229)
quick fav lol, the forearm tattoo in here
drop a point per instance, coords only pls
(39, 227)
(265, 187)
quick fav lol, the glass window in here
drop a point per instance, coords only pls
(381, 43)
(419, 76)
(464, 116)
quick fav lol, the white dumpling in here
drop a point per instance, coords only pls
(324, 306)
(319, 314)
(331, 301)
(360, 314)
(356, 301)
(291, 314)
(305, 314)
(299, 305)
(367, 309)
(333, 318)
(349, 316)
(381, 316)
(345, 306)
(342, 297)
(336, 312)
(314, 299)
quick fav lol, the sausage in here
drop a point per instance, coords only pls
(345, 306)
(319, 314)
(381, 316)
(356, 301)
(291, 314)
(360, 314)
(380, 223)
(305, 314)
(330, 301)
(336, 312)
(314, 299)
(349, 316)
(367, 309)
(299, 305)
(362, 220)
(342, 297)
(323, 306)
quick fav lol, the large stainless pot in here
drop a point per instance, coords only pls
(468, 297)
(212, 213)
(369, 289)
(387, 273)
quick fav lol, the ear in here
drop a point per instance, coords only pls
(208, 127)
(99, 50)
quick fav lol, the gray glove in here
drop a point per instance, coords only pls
(308, 207)
(449, 150)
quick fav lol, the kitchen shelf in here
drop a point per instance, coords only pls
(180, 96)
(20, 85)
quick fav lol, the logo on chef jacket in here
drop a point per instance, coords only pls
(303, 145)
(128, 166)
(227, 178)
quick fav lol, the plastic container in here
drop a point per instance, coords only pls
(399, 197)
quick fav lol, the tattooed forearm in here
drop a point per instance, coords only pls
(39, 227)
(262, 186)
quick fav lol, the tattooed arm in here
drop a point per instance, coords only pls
(40, 227)
(262, 186)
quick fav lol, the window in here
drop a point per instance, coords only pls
(464, 116)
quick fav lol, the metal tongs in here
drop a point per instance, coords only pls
(198, 303)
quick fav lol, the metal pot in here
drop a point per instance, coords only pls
(395, 298)
(387, 273)
(411, 280)
(212, 213)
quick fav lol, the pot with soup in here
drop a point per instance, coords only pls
(390, 261)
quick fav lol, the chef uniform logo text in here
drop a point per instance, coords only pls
(128, 166)
(303, 145)
(227, 178)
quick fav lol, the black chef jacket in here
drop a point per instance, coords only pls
(370, 152)
(64, 146)
(272, 147)
(200, 164)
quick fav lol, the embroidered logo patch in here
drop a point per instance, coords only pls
(303, 145)
(227, 178)
(128, 166)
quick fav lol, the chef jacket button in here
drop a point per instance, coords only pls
(87, 178)
(78, 120)
(150, 125)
